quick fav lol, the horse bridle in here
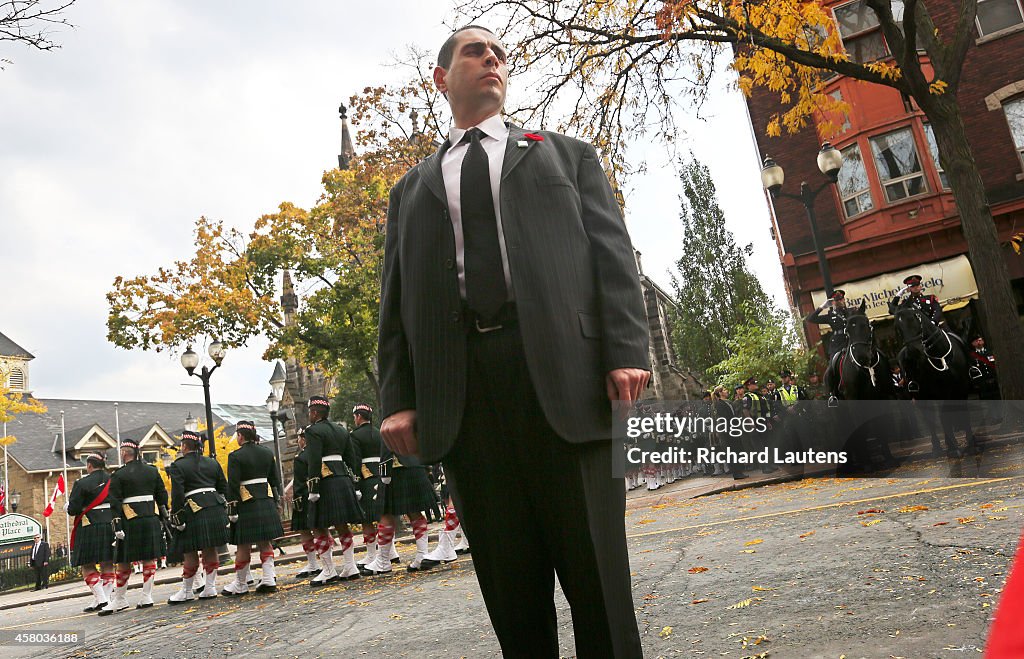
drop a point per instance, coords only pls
(942, 365)
(871, 344)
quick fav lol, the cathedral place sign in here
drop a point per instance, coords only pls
(18, 528)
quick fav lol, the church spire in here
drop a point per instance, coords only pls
(289, 300)
(347, 150)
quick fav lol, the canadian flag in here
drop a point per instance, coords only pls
(3, 500)
(57, 491)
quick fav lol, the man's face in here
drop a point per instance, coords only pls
(978, 343)
(915, 289)
(38, 538)
(770, 386)
(841, 302)
(739, 392)
(478, 75)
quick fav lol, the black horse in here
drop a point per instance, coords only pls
(935, 364)
(861, 372)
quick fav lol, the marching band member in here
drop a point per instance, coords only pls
(92, 538)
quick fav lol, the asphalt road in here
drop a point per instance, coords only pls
(898, 567)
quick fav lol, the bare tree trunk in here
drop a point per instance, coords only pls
(998, 306)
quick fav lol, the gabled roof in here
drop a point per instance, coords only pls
(9, 348)
(36, 448)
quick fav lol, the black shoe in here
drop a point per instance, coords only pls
(396, 561)
(428, 564)
(90, 609)
(266, 588)
(461, 552)
(739, 475)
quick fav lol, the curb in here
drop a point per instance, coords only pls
(224, 569)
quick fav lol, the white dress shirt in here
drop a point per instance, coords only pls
(494, 140)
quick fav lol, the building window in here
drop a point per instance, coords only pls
(16, 380)
(898, 164)
(151, 457)
(860, 31)
(997, 15)
(1015, 117)
(933, 147)
(854, 189)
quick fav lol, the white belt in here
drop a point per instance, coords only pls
(365, 460)
(201, 490)
(330, 457)
(102, 506)
(254, 481)
(138, 499)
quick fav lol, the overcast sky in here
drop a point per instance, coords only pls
(153, 113)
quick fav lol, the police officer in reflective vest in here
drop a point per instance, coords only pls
(756, 406)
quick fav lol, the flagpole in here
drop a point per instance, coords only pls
(46, 495)
(7, 476)
(117, 432)
(64, 452)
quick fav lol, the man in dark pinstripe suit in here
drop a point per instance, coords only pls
(511, 317)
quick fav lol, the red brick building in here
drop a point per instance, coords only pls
(892, 211)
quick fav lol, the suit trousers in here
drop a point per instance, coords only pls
(534, 506)
(42, 576)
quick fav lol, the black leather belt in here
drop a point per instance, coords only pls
(506, 317)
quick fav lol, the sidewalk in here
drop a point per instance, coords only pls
(170, 574)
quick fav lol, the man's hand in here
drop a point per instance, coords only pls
(119, 535)
(399, 432)
(313, 497)
(626, 384)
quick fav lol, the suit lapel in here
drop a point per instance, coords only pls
(432, 176)
(514, 154)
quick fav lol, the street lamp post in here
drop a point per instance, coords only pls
(830, 161)
(273, 405)
(190, 360)
(15, 500)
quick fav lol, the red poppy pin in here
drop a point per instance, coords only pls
(534, 136)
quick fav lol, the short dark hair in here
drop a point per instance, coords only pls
(249, 435)
(444, 56)
(96, 461)
(191, 444)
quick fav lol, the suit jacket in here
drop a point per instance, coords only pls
(42, 555)
(574, 278)
(193, 472)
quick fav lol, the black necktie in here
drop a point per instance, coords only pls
(485, 276)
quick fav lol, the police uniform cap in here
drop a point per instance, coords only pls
(191, 434)
(130, 443)
(912, 280)
(838, 294)
(362, 408)
(749, 381)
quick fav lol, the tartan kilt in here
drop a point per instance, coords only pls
(143, 540)
(206, 528)
(300, 520)
(93, 544)
(337, 505)
(409, 492)
(258, 521)
(372, 502)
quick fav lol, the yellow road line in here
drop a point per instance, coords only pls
(821, 507)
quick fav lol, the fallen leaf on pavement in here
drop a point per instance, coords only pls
(695, 570)
(753, 542)
(912, 509)
(996, 518)
(965, 520)
(759, 589)
(700, 601)
(748, 551)
(646, 521)
(940, 523)
(745, 603)
(870, 511)
(806, 535)
(665, 632)
(396, 616)
(870, 522)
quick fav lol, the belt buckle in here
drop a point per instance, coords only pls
(484, 330)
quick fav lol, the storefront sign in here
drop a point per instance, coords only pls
(952, 281)
(18, 528)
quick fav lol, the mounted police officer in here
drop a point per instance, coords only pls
(836, 318)
(254, 489)
(199, 514)
(300, 520)
(368, 442)
(92, 538)
(926, 304)
(139, 500)
(333, 461)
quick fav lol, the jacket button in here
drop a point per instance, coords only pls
(455, 316)
(449, 264)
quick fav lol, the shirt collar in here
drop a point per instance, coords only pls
(492, 127)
